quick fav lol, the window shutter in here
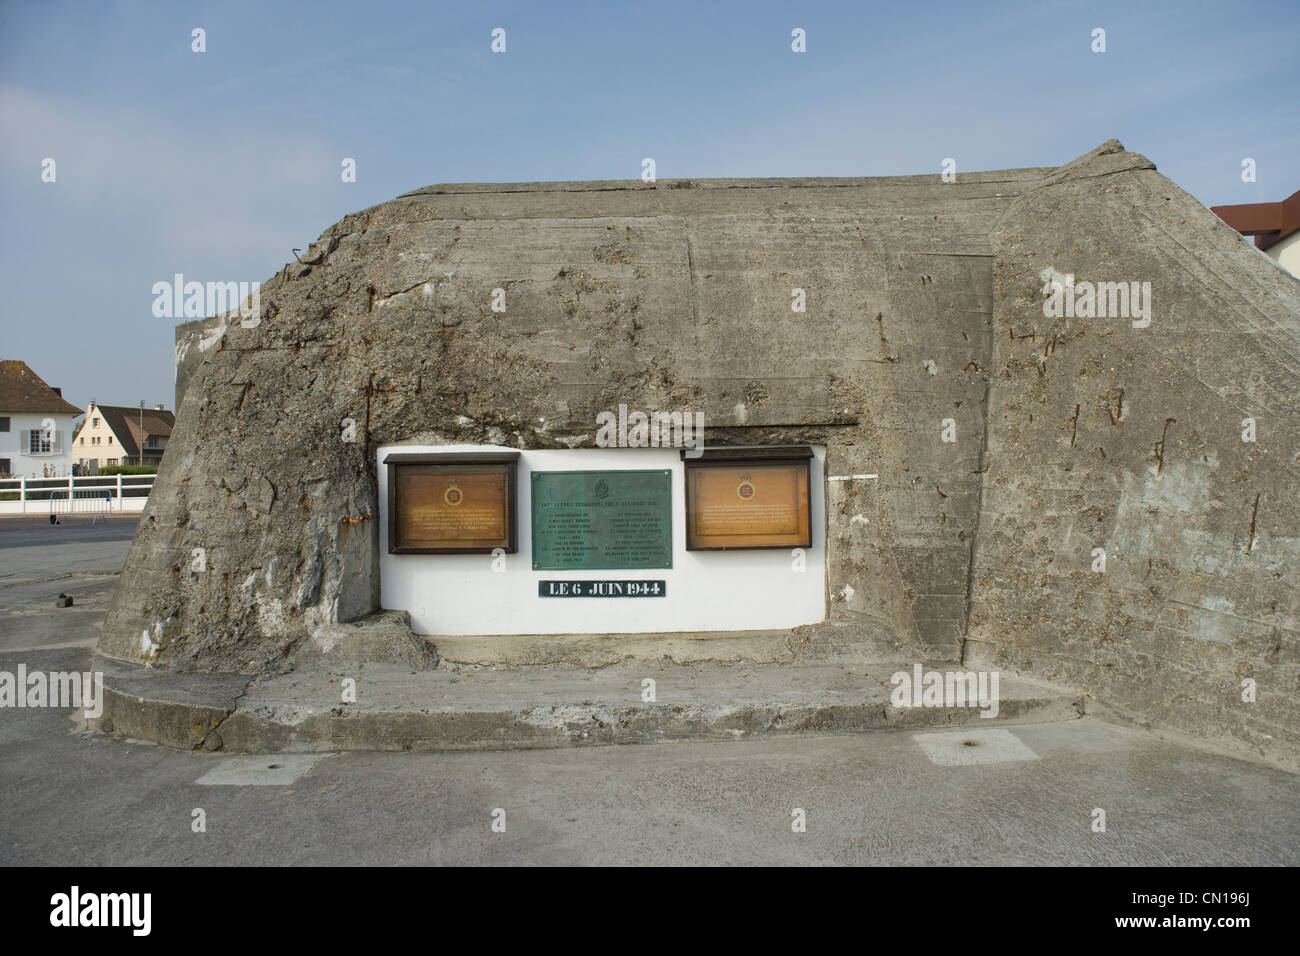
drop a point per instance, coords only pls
(57, 446)
(25, 441)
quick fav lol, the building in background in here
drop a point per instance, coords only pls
(1275, 226)
(35, 425)
(116, 434)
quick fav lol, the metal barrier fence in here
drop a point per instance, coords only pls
(85, 494)
(84, 501)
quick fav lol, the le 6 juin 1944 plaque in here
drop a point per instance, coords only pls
(602, 589)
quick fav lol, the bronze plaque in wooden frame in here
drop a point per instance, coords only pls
(738, 498)
(452, 503)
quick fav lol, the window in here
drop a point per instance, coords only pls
(96, 422)
(83, 439)
(151, 442)
(40, 442)
(110, 439)
(6, 466)
(112, 461)
(4, 424)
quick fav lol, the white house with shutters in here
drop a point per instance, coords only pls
(36, 425)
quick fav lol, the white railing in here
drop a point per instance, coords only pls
(85, 494)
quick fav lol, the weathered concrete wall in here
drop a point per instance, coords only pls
(925, 304)
(1103, 435)
(665, 296)
(192, 340)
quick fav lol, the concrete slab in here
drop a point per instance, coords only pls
(452, 709)
(973, 747)
(264, 770)
(176, 710)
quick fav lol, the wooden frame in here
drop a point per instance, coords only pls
(749, 498)
(426, 491)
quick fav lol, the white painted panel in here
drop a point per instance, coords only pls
(706, 590)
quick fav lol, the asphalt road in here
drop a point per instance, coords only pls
(1018, 795)
(29, 530)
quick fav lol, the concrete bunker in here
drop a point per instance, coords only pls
(974, 448)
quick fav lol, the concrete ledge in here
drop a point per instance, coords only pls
(827, 640)
(455, 709)
(381, 637)
(175, 710)
(600, 650)
(575, 725)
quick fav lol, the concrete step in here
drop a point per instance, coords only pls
(455, 708)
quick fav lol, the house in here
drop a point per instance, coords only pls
(114, 434)
(1275, 226)
(35, 422)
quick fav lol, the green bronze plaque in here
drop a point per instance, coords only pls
(596, 520)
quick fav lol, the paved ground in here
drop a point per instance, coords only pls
(1016, 795)
(19, 531)
(39, 560)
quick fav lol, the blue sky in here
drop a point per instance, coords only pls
(216, 164)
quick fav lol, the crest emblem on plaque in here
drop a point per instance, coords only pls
(453, 495)
(602, 488)
(745, 490)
